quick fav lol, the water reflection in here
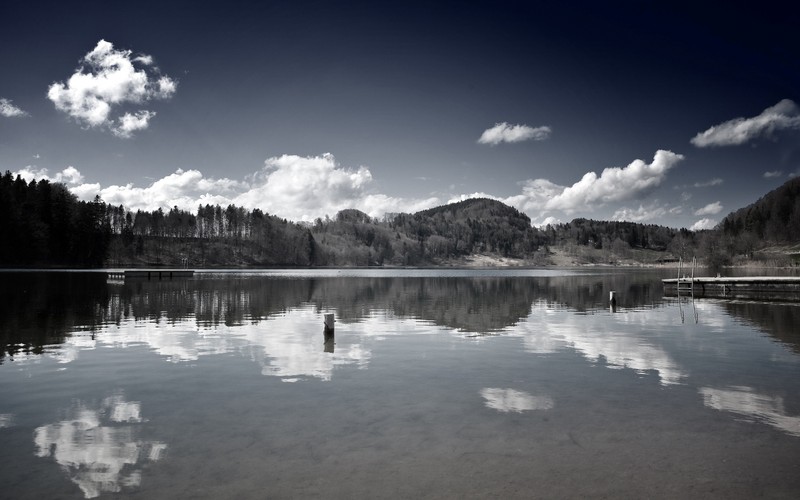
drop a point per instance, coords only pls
(745, 401)
(6, 420)
(295, 353)
(329, 341)
(276, 321)
(512, 400)
(43, 309)
(618, 344)
(779, 320)
(209, 356)
(98, 447)
(39, 309)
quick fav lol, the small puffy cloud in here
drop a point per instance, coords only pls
(503, 132)
(69, 176)
(131, 122)
(702, 224)
(710, 209)
(713, 182)
(108, 79)
(144, 59)
(773, 173)
(8, 110)
(643, 213)
(782, 116)
(709, 183)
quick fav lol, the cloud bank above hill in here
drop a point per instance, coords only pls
(299, 188)
(302, 188)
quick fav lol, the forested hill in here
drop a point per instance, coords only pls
(427, 237)
(42, 224)
(775, 217)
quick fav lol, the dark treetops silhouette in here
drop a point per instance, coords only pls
(43, 224)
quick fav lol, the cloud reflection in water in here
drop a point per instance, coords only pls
(747, 402)
(617, 340)
(97, 453)
(6, 420)
(512, 400)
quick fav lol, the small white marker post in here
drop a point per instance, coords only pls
(329, 322)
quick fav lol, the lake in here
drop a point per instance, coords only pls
(435, 384)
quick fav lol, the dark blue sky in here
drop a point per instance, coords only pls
(305, 108)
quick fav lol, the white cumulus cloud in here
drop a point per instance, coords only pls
(612, 185)
(8, 110)
(704, 223)
(307, 187)
(503, 132)
(710, 209)
(782, 116)
(108, 79)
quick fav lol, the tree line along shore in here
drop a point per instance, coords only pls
(42, 224)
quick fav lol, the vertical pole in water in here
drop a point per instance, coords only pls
(329, 322)
(328, 333)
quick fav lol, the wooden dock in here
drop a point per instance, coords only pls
(149, 274)
(750, 287)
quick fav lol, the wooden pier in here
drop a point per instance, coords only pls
(150, 274)
(750, 287)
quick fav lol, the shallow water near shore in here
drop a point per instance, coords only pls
(453, 383)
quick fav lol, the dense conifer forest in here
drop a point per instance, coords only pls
(43, 225)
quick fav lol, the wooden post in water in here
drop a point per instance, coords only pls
(329, 322)
(328, 333)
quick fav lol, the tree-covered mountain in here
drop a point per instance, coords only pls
(42, 224)
(427, 237)
(775, 217)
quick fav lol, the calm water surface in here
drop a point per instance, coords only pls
(436, 384)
